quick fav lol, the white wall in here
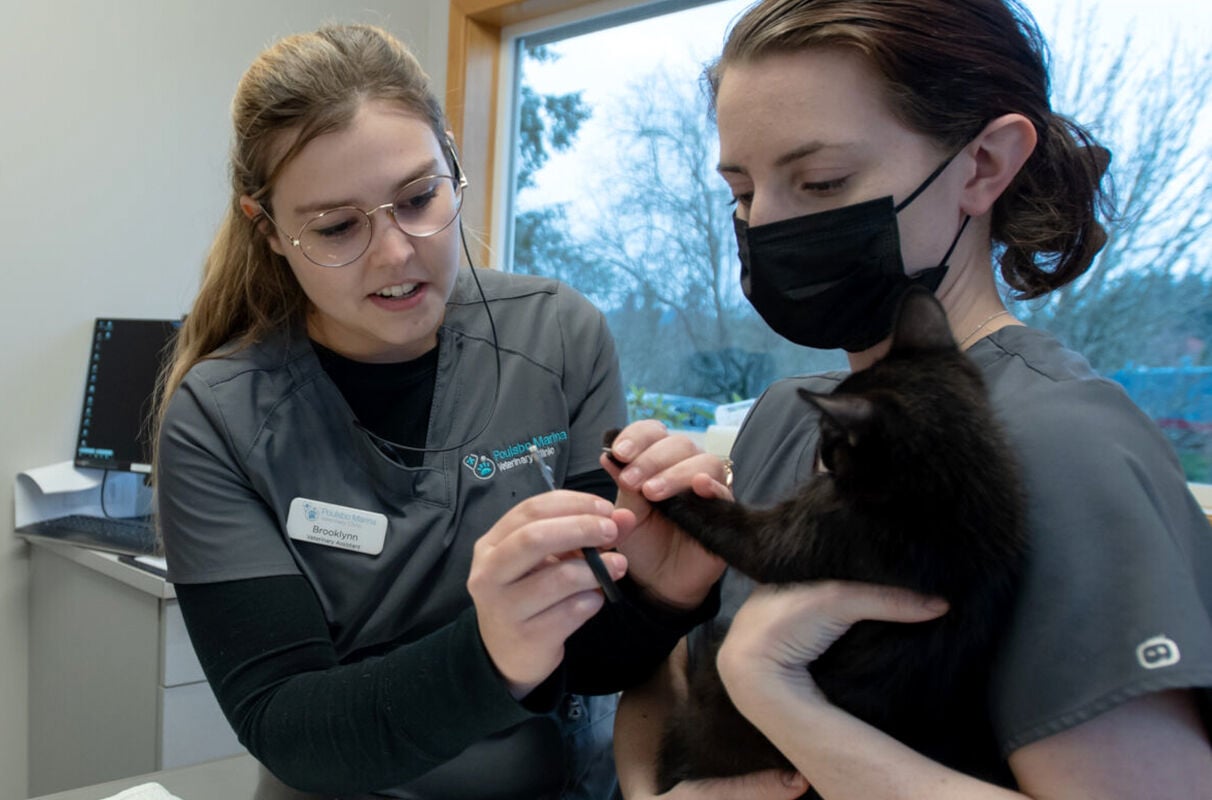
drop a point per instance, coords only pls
(113, 142)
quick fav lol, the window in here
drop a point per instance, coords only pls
(1141, 80)
(616, 193)
(610, 178)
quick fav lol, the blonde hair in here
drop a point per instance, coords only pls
(304, 85)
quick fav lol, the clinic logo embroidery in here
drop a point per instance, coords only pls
(515, 454)
(482, 467)
(1159, 651)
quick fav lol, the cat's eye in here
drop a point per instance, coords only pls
(824, 457)
(822, 464)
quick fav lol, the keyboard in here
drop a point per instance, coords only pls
(132, 535)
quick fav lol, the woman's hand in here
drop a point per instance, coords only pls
(781, 629)
(1150, 746)
(531, 585)
(671, 566)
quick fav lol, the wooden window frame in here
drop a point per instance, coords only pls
(473, 59)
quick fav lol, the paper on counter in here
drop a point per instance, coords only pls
(57, 490)
(144, 791)
(64, 477)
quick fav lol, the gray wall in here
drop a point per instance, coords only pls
(113, 140)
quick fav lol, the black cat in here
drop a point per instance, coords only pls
(918, 489)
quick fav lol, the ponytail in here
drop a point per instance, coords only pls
(230, 308)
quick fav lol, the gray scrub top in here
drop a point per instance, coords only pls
(1117, 597)
(252, 434)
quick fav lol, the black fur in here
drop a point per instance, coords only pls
(921, 492)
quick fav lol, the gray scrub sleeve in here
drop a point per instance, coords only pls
(1117, 597)
(204, 490)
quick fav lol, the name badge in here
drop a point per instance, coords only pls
(336, 526)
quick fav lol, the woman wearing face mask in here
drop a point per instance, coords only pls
(383, 593)
(876, 145)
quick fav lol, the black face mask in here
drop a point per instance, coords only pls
(835, 278)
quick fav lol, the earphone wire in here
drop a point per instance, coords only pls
(496, 391)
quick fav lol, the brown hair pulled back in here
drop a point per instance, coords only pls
(300, 88)
(950, 67)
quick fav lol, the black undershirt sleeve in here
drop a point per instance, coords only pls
(323, 726)
(596, 482)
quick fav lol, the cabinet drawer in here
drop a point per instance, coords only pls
(180, 665)
(192, 728)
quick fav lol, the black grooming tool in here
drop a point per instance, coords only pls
(592, 556)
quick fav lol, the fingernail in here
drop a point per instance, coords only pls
(624, 449)
(655, 488)
(603, 507)
(937, 604)
(794, 779)
(630, 476)
(616, 563)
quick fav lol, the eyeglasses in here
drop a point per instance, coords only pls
(340, 236)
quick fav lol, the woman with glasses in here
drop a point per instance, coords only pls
(872, 145)
(383, 593)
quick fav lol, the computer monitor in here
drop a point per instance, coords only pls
(119, 393)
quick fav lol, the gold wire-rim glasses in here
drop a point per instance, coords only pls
(458, 185)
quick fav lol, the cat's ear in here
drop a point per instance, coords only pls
(849, 411)
(921, 323)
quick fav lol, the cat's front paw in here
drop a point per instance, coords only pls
(697, 516)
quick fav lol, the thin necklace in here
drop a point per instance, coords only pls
(977, 329)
